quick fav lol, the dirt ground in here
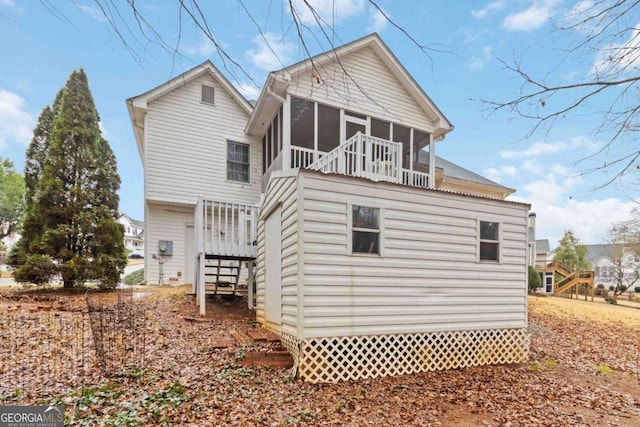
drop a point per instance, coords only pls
(584, 370)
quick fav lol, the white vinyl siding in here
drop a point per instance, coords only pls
(384, 96)
(429, 279)
(166, 222)
(282, 189)
(186, 147)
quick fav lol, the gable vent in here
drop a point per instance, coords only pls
(208, 94)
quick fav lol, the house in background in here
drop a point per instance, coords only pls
(374, 256)
(133, 233)
(544, 257)
(609, 261)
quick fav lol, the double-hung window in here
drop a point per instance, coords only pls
(237, 161)
(489, 241)
(365, 230)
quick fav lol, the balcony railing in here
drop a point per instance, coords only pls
(225, 229)
(372, 158)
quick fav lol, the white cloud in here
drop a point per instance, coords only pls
(535, 150)
(489, 9)
(9, 3)
(270, 54)
(496, 173)
(205, 47)
(93, 12)
(16, 125)
(581, 10)
(248, 90)
(479, 62)
(327, 10)
(532, 18)
(377, 21)
(559, 207)
(615, 58)
(538, 149)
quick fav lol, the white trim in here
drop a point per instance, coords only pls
(479, 240)
(351, 229)
(226, 162)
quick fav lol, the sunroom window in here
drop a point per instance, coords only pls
(489, 241)
(365, 230)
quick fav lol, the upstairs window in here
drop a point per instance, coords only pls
(208, 95)
(365, 230)
(237, 161)
(489, 241)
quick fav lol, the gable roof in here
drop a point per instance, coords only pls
(542, 246)
(137, 105)
(134, 222)
(278, 80)
(451, 170)
(595, 252)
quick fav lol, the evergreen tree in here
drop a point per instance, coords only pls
(72, 193)
(571, 252)
(11, 197)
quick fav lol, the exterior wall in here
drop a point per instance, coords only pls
(282, 189)
(428, 279)
(186, 147)
(384, 97)
(166, 222)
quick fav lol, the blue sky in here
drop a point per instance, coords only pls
(41, 43)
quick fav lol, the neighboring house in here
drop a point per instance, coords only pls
(611, 260)
(544, 257)
(133, 232)
(374, 257)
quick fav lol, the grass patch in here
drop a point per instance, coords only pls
(604, 369)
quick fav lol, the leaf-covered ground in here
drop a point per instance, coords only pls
(584, 369)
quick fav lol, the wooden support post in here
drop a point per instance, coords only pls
(250, 284)
(201, 286)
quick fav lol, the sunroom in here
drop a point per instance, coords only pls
(305, 133)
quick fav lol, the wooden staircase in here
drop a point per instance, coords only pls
(571, 280)
(221, 275)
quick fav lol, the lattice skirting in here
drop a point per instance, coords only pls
(336, 359)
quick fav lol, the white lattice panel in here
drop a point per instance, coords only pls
(351, 358)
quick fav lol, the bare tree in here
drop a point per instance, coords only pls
(135, 29)
(605, 41)
(625, 253)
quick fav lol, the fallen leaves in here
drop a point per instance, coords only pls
(191, 379)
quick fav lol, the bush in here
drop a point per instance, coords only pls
(610, 300)
(134, 278)
(611, 288)
(534, 280)
(636, 289)
(37, 269)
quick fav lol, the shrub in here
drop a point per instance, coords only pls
(610, 300)
(534, 279)
(37, 269)
(134, 278)
(611, 288)
(636, 289)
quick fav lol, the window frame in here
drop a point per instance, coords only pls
(248, 164)
(202, 98)
(498, 260)
(379, 231)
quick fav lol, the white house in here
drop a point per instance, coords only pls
(613, 263)
(133, 232)
(374, 256)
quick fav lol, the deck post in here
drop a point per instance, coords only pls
(201, 286)
(250, 284)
